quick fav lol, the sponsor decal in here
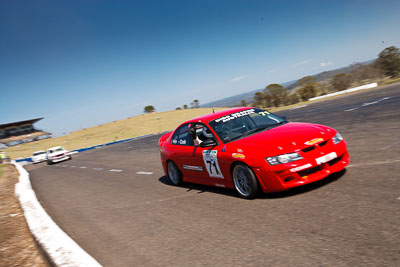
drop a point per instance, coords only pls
(240, 150)
(192, 168)
(238, 156)
(326, 158)
(220, 185)
(223, 149)
(263, 113)
(211, 162)
(174, 141)
(182, 142)
(235, 115)
(300, 168)
(314, 141)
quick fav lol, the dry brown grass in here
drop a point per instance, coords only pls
(123, 129)
(17, 245)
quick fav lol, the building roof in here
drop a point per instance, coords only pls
(19, 123)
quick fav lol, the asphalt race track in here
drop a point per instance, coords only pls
(116, 204)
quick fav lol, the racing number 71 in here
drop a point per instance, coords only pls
(211, 164)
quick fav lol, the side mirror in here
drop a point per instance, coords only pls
(208, 142)
(284, 117)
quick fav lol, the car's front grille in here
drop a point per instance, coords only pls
(310, 171)
(334, 161)
(323, 143)
(308, 149)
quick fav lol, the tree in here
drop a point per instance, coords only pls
(361, 72)
(389, 61)
(149, 109)
(278, 94)
(178, 108)
(307, 91)
(195, 103)
(307, 80)
(309, 87)
(262, 100)
(293, 99)
(259, 99)
(341, 81)
(243, 103)
(185, 106)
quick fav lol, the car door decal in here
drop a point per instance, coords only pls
(192, 168)
(211, 162)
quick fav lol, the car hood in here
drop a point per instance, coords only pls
(286, 138)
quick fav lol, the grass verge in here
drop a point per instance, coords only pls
(390, 81)
(18, 247)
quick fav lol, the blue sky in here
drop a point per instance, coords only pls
(82, 63)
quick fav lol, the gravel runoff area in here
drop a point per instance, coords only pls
(18, 247)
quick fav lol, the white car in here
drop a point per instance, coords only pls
(56, 154)
(38, 156)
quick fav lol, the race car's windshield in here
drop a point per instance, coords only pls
(58, 149)
(243, 123)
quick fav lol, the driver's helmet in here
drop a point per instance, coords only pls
(207, 133)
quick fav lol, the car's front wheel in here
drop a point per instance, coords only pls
(49, 162)
(245, 181)
(174, 174)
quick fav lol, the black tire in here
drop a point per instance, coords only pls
(174, 174)
(49, 162)
(69, 157)
(245, 181)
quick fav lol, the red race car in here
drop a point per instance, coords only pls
(251, 149)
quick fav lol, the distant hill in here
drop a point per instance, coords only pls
(236, 99)
(249, 96)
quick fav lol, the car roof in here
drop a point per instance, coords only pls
(218, 114)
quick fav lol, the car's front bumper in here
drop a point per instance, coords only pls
(58, 159)
(307, 170)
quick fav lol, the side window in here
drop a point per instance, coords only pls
(182, 136)
(203, 133)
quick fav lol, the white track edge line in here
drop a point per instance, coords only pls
(62, 249)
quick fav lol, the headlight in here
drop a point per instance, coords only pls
(337, 138)
(285, 158)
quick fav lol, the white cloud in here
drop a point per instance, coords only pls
(325, 64)
(236, 79)
(300, 63)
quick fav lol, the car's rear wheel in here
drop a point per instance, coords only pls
(174, 174)
(49, 162)
(245, 181)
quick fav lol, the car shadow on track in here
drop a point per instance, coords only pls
(202, 188)
(304, 188)
(232, 193)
